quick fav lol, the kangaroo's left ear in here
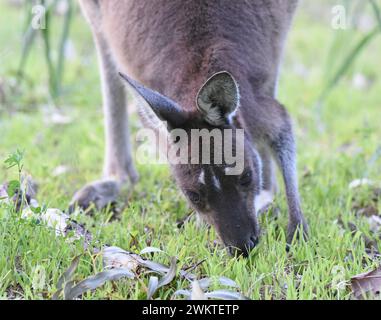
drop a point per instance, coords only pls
(218, 99)
(164, 109)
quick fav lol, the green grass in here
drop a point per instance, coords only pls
(351, 117)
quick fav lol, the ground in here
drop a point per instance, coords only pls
(337, 144)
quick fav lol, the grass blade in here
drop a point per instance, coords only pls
(377, 12)
(48, 54)
(348, 62)
(28, 39)
(63, 41)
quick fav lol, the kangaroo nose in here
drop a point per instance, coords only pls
(251, 244)
(245, 249)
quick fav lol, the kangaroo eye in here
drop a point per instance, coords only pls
(194, 197)
(246, 179)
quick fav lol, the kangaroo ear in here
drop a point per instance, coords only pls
(164, 108)
(218, 99)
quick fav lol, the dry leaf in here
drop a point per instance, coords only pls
(171, 274)
(366, 283)
(154, 284)
(182, 292)
(225, 295)
(66, 277)
(360, 183)
(197, 292)
(198, 287)
(367, 211)
(57, 118)
(361, 82)
(374, 223)
(114, 257)
(206, 282)
(4, 194)
(60, 170)
(117, 262)
(60, 222)
(96, 281)
(152, 287)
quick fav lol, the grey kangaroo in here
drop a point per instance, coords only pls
(205, 64)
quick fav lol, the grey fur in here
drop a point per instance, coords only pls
(118, 161)
(173, 47)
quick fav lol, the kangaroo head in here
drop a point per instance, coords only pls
(217, 168)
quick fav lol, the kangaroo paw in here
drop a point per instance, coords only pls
(295, 229)
(99, 194)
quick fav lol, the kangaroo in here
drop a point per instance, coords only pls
(200, 64)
